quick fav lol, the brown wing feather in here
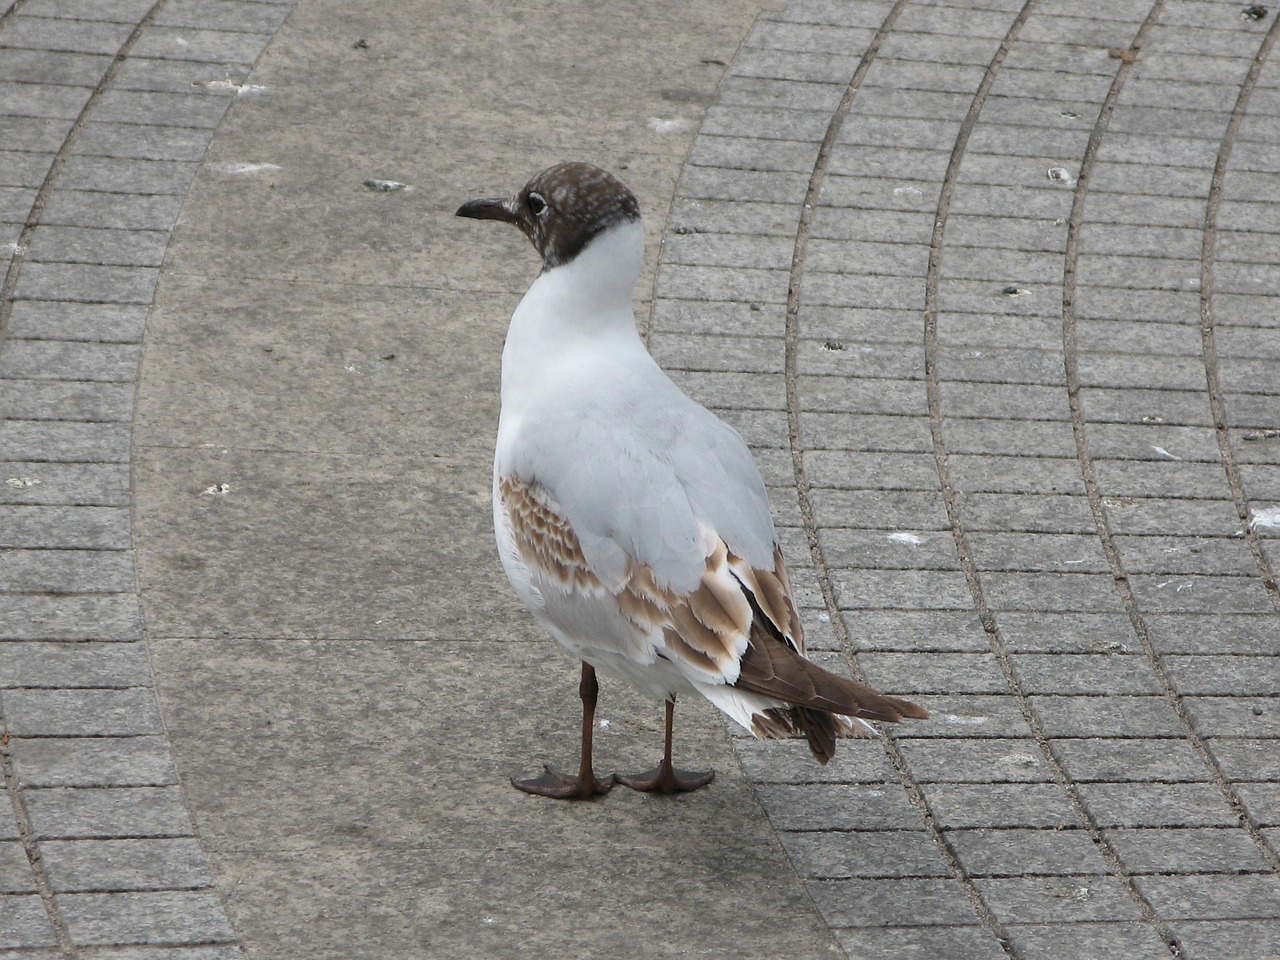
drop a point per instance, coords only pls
(706, 629)
(543, 535)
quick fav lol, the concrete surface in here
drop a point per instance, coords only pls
(990, 287)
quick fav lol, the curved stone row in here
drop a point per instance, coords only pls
(106, 110)
(1008, 460)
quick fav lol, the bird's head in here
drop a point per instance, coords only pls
(561, 209)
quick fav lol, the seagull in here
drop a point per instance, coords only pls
(631, 521)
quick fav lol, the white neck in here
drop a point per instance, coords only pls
(598, 282)
(576, 320)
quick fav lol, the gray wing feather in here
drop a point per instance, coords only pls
(637, 470)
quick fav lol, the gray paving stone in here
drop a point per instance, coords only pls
(789, 761)
(1001, 805)
(15, 203)
(87, 617)
(935, 48)
(919, 943)
(808, 37)
(1199, 518)
(1234, 716)
(132, 812)
(746, 152)
(72, 571)
(56, 484)
(1018, 853)
(64, 441)
(1035, 513)
(827, 807)
(765, 186)
(1220, 939)
(1224, 675)
(1190, 851)
(714, 283)
(1089, 941)
(834, 70)
(1238, 634)
(116, 11)
(748, 391)
(38, 66)
(986, 760)
(82, 712)
(898, 550)
(1137, 478)
(246, 16)
(69, 36)
(228, 951)
(1070, 553)
(213, 46)
(884, 509)
(864, 361)
(867, 14)
(1208, 897)
(1095, 632)
(42, 100)
(160, 917)
(1259, 800)
(866, 471)
(77, 866)
(976, 474)
(895, 192)
(112, 175)
(15, 870)
(93, 761)
(1091, 674)
(58, 320)
(1138, 760)
(886, 902)
(24, 923)
(86, 282)
(1157, 805)
(770, 124)
(901, 590)
(1246, 759)
(968, 715)
(941, 673)
(718, 216)
(1110, 716)
(1189, 593)
(839, 856)
(111, 210)
(64, 400)
(55, 664)
(905, 630)
(1065, 899)
(1051, 592)
(55, 525)
(147, 141)
(224, 80)
(725, 250)
(33, 134)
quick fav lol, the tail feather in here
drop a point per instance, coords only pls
(818, 727)
(772, 668)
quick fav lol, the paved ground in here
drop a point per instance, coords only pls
(992, 289)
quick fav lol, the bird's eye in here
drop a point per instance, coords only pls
(537, 205)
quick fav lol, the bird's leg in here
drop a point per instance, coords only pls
(665, 778)
(562, 786)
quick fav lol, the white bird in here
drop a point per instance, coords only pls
(631, 521)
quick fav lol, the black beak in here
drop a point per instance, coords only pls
(493, 208)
